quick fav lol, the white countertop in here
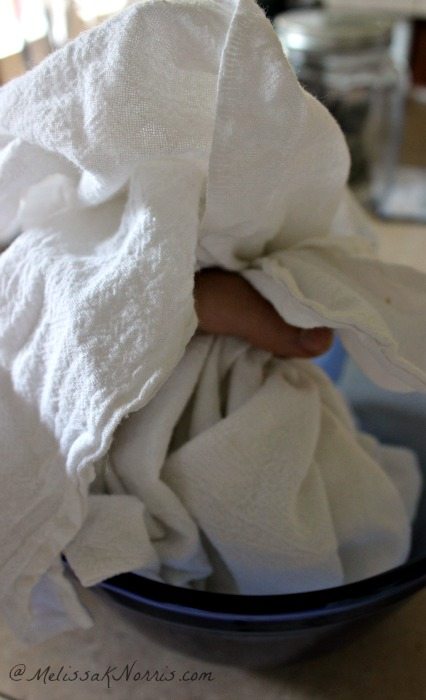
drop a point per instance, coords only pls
(403, 243)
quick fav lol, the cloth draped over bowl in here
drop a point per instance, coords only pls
(173, 137)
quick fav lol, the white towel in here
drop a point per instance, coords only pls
(173, 137)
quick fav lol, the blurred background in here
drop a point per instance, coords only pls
(364, 59)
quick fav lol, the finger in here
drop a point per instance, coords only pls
(226, 304)
(259, 323)
(273, 334)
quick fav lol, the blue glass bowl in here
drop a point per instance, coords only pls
(261, 631)
(333, 361)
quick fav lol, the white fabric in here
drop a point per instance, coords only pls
(172, 137)
(266, 460)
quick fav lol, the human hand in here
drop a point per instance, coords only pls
(226, 304)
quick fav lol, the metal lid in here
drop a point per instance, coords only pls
(323, 30)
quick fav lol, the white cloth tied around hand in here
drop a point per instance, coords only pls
(173, 137)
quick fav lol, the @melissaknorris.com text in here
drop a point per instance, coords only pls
(129, 673)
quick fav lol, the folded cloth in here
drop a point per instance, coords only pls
(174, 137)
(265, 458)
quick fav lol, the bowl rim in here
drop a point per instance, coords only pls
(329, 604)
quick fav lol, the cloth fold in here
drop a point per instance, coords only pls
(173, 137)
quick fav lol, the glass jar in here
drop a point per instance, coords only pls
(345, 61)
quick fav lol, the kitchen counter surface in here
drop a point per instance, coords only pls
(403, 243)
